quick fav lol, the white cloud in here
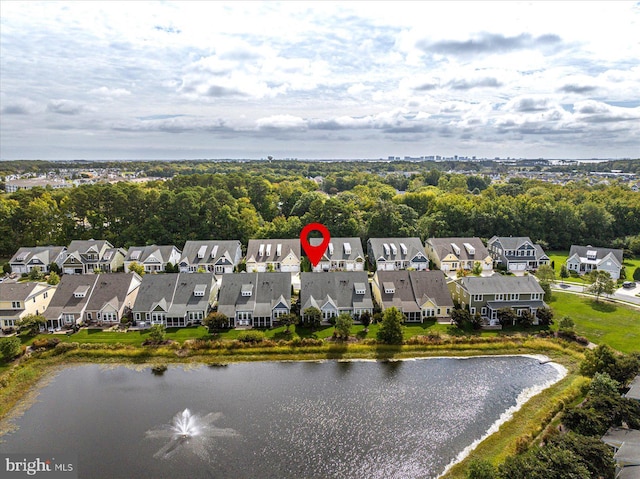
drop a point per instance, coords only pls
(344, 78)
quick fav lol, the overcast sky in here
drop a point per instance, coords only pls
(319, 80)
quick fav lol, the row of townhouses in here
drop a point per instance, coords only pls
(342, 254)
(258, 299)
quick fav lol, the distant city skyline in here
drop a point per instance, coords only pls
(319, 80)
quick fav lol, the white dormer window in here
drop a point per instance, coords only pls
(261, 250)
(456, 249)
(403, 248)
(592, 254)
(387, 251)
(247, 289)
(359, 288)
(347, 248)
(470, 249)
(202, 251)
(80, 292)
(394, 249)
(330, 249)
(214, 251)
(15, 304)
(136, 255)
(269, 250)
(279, 250)
(199, 290)
(389, 287)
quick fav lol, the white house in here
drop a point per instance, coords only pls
(389, 254)
(342, 254)
(584, 259)
(273, 255)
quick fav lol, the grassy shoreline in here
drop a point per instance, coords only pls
(21, 383)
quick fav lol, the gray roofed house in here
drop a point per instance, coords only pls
(626, 446)
(273, 255)
(342, 254)
(419, 295)
(397, 253)
(174, 299)
(26, 259)
(112, 297)
(68, 305)
(213, 256)
(153, 258)
(451, 254)
(634, 389)
(18, 300)
(487, 295)
(255, 299)
(87, 256)
(584, 259)
(517, 253)
(334, 293)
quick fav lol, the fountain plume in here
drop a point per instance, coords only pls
(189, 432)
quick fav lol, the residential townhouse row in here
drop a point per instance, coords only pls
(342, 254)
(258, 299)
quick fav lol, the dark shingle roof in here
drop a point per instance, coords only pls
(174, 292)
(287, 246)
(414, 288)
(338, 247)
(64, 298)
(267, 290)
(581, 251)
(413, 247)
(500, 284)
(443, 247)
(337, 287)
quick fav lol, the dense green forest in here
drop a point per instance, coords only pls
(275, 199)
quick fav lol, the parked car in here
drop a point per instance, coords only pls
(629, 284)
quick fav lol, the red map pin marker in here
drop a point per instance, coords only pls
(314, 253)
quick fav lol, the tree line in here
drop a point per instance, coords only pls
(274, 203)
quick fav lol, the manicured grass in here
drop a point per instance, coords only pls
(136, 338)
(559, 258)
(614, 324)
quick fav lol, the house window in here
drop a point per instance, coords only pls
(46, 294)
(500, 297)
(514, 297)
(137, 316)
(15, 304)
(111, 316)
(483, 311)
(68, 318)
(472, 311)
(89, 317)
(328, 314)
(477, 297)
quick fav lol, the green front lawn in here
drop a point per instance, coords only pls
(614, 324)
(559, 258)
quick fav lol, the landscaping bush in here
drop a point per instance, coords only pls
(62, 348)
(251, 336)
(45, 343)
(9, 348)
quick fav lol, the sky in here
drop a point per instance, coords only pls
(347, 80)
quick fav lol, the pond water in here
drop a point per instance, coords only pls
(404, 419)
